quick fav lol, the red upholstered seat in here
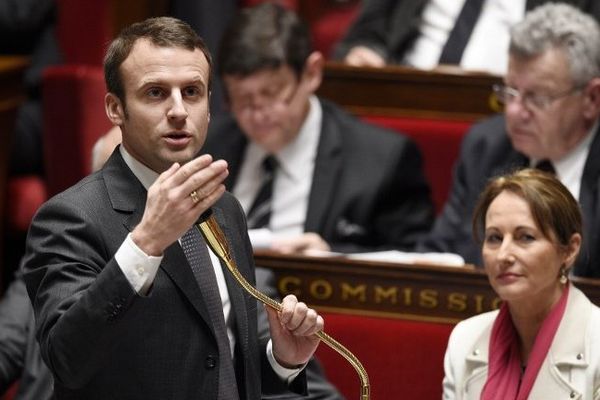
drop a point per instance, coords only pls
(404, 359)
(439, 141)
(27, 193)
(74, 118)
(83, 31)
(331, 25)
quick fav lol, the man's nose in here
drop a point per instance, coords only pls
(516, 108)
(177, 109)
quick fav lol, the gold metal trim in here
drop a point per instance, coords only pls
(216, 240)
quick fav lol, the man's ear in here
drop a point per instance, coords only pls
(591, 105)
(313, 71)
(114, 108)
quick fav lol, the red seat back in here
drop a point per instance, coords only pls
(74, 118)
(439, 142)
(404, 359)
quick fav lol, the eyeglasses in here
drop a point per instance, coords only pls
(531, 101)
(268, 101)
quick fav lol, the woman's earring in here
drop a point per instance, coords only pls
(563, 276)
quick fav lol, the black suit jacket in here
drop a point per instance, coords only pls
(368, 188)
(98, 336)
(390, 27)
(486, 151)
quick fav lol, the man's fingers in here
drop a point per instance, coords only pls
(190, 168)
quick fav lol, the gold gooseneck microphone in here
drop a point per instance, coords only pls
(216, 240)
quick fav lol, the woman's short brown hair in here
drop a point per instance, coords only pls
(555, 211)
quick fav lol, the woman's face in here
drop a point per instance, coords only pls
(522, 265)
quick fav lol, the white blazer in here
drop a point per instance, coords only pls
(571, 369)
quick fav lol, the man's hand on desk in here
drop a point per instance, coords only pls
(362, 56)
(305, 243)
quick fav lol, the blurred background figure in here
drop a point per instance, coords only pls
(473, 34)
(551, 94)
(542, 344)
(27, 27)
(305, 170)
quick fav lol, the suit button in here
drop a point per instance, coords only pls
(210, 362)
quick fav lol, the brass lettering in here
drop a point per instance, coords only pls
(290, 285)
(390, 294)
(407, 292)
(321, 289)
(359, 292)
(457, 302)
(478, 303)
(428, 298)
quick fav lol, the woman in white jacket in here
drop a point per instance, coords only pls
(544, 342)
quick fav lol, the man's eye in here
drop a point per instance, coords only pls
(192, 91)
(154, 92)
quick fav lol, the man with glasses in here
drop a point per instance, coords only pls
(329, 180)
(551, 95)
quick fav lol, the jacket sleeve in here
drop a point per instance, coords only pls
(77, 289)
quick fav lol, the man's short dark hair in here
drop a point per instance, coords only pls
(160, 31)
(267, 36)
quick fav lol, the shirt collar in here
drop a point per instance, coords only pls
(144, 174)
(302, 151)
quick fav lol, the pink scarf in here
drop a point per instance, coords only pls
(504, 370)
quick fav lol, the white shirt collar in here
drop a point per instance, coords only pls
(144, 174)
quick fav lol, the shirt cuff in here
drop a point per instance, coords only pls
(286, 374)
(138, 267)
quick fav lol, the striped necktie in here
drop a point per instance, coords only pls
(259, 214)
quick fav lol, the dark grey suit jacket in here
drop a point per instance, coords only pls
(390, 27)
(486, 152)
(104, 341)
(368, 188)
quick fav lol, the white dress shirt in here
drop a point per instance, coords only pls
(569, 169)
(487, 48)
(293, 176)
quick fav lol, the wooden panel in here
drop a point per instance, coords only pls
(444, 93)
(416, 292)
(11, 96)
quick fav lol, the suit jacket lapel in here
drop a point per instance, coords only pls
(128, 195)
(588, 199)
(328, 165)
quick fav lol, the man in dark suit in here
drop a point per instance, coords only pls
(552, 105)
(386, 31)
(338, 183)
(123, 311)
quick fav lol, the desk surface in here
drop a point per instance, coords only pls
(418, 292)
(397, 91)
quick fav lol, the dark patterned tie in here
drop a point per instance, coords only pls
(196, 252)
(460, 34)
(259, 214)
(546, 166)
